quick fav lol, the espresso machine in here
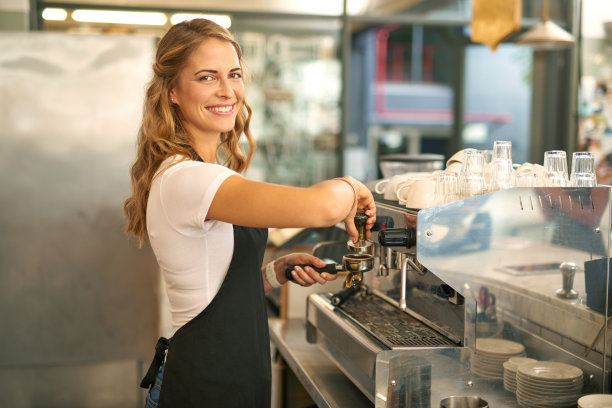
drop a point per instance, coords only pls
(447, 276)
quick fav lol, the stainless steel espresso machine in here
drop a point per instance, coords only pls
(517, 265)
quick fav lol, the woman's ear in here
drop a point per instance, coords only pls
(172, 96)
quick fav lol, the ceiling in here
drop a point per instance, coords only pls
(298, 15)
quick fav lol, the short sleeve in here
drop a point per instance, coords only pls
(186, 192)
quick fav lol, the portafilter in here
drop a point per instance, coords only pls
(354, 264)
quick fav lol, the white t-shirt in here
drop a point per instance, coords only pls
(193, 254)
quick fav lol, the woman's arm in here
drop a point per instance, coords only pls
(255, 204)
(302, 276)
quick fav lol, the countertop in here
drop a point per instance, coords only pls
(322, 379)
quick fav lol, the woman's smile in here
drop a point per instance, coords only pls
(222, 110)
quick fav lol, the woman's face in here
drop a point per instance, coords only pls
(210, 89)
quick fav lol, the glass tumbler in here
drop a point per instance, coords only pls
(500, 167)
(502, 150)
(447, 188)
(472, 174)
(583, 170)
(525, 180)
(555, 169)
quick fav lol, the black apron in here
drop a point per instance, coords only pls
(221, 358)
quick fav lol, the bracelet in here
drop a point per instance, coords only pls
(354, 187)
(271, 276)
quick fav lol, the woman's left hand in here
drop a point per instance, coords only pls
(306, 276)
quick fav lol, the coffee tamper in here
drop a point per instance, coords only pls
(568, 270)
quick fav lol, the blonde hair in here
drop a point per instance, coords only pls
(161, 133)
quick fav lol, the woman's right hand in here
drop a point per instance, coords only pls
(365, 203)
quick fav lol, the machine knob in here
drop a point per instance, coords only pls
(397, 237)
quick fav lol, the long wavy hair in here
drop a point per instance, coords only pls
(162, 134)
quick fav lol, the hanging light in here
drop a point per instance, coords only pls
(546, 34)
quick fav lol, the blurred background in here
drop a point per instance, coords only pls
(336, 85)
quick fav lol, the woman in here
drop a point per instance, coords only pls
(207, 224)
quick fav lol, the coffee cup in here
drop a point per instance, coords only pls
(422, 192)
(455, 158)
(390, 192)
(381, 185)
(453, 167)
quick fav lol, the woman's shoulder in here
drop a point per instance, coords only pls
(182, 171)
(181, 164)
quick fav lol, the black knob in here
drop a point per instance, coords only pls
(397, 237)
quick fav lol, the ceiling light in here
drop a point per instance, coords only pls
(119, 17)
(55, 14)
(546, 34)
(221, 19)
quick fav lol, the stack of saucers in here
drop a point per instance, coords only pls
(510, 368)
(544, 384)
(491, 354)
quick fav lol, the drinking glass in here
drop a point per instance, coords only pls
(525, 180)
(583, 170)
(446, 189)
(502, 150)
(501, 166)
(555, 169)
(472, 174)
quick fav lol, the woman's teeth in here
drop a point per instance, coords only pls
(221, 109)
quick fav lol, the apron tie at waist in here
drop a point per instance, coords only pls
(158, 359)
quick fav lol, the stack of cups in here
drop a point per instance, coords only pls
(501, 166)
(472, 174)
(555, 169)
(583, 170)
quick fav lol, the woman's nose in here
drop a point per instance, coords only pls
(225, 88)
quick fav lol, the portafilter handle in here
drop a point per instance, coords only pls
(329, 268)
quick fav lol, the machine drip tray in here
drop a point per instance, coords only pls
(389, 325)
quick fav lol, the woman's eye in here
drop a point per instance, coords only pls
(235, 75)
(206, 78)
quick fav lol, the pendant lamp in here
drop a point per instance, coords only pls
(546, 34)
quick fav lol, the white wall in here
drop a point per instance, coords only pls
(595, 13)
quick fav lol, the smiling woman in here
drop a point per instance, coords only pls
(207, 224)
(209, 93)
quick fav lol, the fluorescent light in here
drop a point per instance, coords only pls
(221, 19)
(119, 17)
(55, 14)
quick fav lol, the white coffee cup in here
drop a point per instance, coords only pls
(391, 187)
(453, 167)
(455, 158)
(381, 185)
(403, 190)
(421, 193)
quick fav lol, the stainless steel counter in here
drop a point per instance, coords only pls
(322, 379)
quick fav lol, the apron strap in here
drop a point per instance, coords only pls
(158, 359)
